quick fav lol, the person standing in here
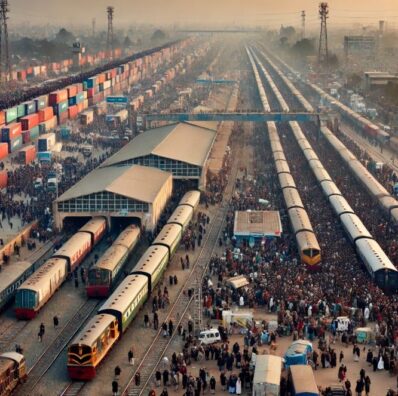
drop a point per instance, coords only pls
(359, 387)
(212, 385)
(55, 321)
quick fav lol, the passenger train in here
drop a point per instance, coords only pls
(103, 274)
(12, 372)
(95, 340)
(42, 284)
(307, 243)
(359, 122)
(386, 201)
(379, 266)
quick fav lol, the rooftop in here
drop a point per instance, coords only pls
(135, 182)
(183, 142)
(257, 224)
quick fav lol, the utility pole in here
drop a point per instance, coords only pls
(4, 11)
(93, 26)
(109, 41)
(303, 24)
(323, 52)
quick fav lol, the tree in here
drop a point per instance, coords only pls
(288, 31)
(127, 42)
(158, 35)
(304, 48)
(64, 36)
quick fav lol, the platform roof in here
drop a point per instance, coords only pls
(181, 142)
(257, 224)
(136, 182)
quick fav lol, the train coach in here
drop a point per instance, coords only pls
(93, 343)
(12, 372)
(376, 262)
(103, 275)
(307, 244)
(34, 293)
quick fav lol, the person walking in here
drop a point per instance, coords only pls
(367, 385)
(130, 356)
(212, 385)
(118, 371)
(55, 321)
(359, 387)
(137, 379)
(115, 388)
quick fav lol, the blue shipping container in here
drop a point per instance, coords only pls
(41, 102)
(11, 115)
(44, 156)
(91, 82)
(65, 133)
(72, 101)
(61, 107)
(15, 144)
(30, 108)
(21, 111)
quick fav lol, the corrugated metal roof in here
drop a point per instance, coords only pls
(137, 182)
(181, 142)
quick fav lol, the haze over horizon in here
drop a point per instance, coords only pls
(200, 12)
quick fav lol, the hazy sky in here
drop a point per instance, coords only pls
(258, 12)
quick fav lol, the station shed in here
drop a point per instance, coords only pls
(254, 226)
(181, 149)
(129, 194)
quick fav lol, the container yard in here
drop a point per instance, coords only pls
(198, 207)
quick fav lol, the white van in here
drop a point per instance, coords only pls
(209, 336)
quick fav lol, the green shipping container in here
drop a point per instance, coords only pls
(11, 115)
(61, 107)
(21, 110)
(35, 132)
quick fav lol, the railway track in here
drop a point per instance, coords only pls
(155, 353)
(54, 350)
(11, 327)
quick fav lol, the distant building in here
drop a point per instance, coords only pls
(376, 79)
(359, 44)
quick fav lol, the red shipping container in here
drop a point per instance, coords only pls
(27, 154)
(90, 92)
(25, 137)
(72, 112)
(58, 97)
(29, 70)
(72, 91)
(45, 114)
(3, 179)
(30, 121)
(3, 150)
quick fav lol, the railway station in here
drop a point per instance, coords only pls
(181, 149)
(124, 194)
(197, 212)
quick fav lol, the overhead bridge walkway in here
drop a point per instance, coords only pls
(234, 116)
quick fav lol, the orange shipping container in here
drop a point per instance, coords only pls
(45, 114)
(2, 118)
(58, 97)
(27, 155)
(72, 112)
(30, 121)
(3, 179)
(3, 150)
(72, 91)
